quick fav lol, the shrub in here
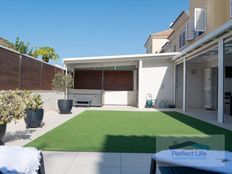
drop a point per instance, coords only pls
(32, 101)
(12, 106)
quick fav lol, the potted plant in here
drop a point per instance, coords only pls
(61, 83)
(34, 110)
(12, 108)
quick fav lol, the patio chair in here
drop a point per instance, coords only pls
(227, 100)
(21, 160)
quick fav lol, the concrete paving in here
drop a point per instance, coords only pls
(18, 135)
(96, 163)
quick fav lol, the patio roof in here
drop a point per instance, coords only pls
(225, 28)
(119, 58)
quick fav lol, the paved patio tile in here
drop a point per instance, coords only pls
(58, 162)
(99, 159)
(74, 169)
(96, 163)
(135, 170)
(132, 160)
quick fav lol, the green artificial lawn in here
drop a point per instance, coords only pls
(115, 131)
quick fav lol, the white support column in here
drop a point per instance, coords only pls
(174, 84)
(140, 101)
(221, 80)
(184, 85)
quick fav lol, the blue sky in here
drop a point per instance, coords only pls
(77, 28)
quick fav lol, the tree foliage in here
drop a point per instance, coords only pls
(46, 53)
(20, 46)
(61, 82)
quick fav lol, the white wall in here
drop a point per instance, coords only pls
(157, 44)
(49, 97)
(195, 97)
(194, 92)
(120, 98)
(157, 78)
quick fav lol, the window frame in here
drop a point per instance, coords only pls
(182, 34)
(205, 20)
(188, 28)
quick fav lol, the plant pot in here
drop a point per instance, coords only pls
(34, 118)
(2, 132)
(171, 106)
(65, 106)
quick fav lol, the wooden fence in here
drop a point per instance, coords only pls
(19, 71)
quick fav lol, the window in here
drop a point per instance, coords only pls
(149, 49)
(174, 48)
(198, 33)
(190, 33)
(118, 80)
(200, 17)
(104, 80)
(182, 39)
(85, 79)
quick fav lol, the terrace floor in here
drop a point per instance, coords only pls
(210, 117)
(18, 135)
(93, 162)
(96, 163)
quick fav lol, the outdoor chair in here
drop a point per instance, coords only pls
(21, 160)
(227, 100)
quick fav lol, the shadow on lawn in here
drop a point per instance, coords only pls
(131, 144)
(216, 138)
(204, 127)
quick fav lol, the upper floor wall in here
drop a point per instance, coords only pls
(217, 12)
(156, 41)
(177, 39)
(203, 17)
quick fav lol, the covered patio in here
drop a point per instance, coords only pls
(203, 77)
(122, 80)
